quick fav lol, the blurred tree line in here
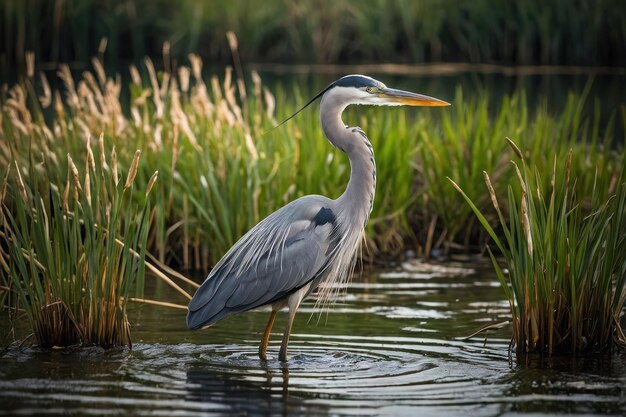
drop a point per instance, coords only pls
(567, 32)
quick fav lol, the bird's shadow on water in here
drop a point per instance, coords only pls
(255, 389)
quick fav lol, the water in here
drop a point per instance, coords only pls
(393, 345)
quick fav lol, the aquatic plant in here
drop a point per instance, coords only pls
(74, 254)
(221, 172)
(566, 259)
(470, 142)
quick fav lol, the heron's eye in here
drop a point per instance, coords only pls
(370, 89)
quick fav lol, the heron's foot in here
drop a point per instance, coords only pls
(263, 353)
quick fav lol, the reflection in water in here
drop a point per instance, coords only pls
(590, 385)
(257, 397)
(330, 375)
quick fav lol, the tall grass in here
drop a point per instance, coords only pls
(471, 142)
(75, 253)
(220, 172)
(566, 262)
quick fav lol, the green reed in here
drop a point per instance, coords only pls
(471, 141)
(222, 168)
(565, 254)
(75, 246)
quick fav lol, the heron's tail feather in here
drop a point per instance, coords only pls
(208, 304)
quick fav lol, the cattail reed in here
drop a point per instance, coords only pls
(151, 182)
(99, 68)
(132, 172)
(46, 98)
(524, 210)
(183, 76)
(565, 283)
(492, 192)
(30, 64)
(103, 159)
(134, 75)
(66, 76)
(59, 308)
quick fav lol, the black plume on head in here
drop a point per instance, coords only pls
(356, 81)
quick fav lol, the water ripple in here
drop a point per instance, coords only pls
(388, 349)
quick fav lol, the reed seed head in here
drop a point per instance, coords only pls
(74, 172)
(184, 76)
(196, 66)
(102, 46)
(232, 40)
(134, 75)
(517, 150)
(524, 210)
(91, 163)
(100, 72)
(151, 182)
(492, 192)
(30, 64)
(133, 170)
(103, 160)
(87, 185)
(46, 98)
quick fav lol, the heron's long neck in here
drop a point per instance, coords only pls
(358, 198)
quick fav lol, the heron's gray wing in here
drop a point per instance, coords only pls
(278, 256)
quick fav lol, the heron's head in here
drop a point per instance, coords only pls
(360, 89)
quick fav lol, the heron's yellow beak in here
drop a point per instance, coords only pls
(409, 99)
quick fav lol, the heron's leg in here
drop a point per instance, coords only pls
(282, 355)
(294, 302)
(266, 336)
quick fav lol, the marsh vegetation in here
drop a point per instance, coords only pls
(77, 231)
(138, 143)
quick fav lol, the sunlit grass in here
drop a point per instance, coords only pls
(222, 167)
(566, 260)
(75, 249)
(472, 141)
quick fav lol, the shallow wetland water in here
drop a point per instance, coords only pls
(392, 345)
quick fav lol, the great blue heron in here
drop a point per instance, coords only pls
(311, 240)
